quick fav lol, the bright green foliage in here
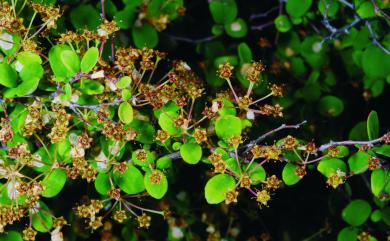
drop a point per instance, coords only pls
(283, 24)
(227, 126)
(131, 181)
(191, 152)
(373, 125)
(297, 8)
(53, 183)
(89, 59)
(380, 183)
(356, 212)
(7, 75)
(217, 186)
(156, 184)
(288, 174)
(102, 183)
(358, 162)
(42, 220)
(329, 166)
(125, 112)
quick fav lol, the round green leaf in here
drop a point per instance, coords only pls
(166, 122)
(288, 175)
(125, 112)
(282, 23)
(329, 166)
(124, 82)
(373, 125)
(333, 7)
(156, 190)
(356, 212)
(89, 59)
(11, 236)
(298, 8)
(330, 106)
(376, 216)
(145, 36)
(131, 181)
(191, 152)
(145, 131)
(236, 29)
(227, 126)
(358, 162)
(102, 183)
(217, 186)
(31, 71)
(42, 220)
(144, 163)
(53, 183)
(348, 234)
(8, 75)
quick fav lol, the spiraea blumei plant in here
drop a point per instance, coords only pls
(118, 125)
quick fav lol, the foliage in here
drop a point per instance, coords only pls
(97, 137)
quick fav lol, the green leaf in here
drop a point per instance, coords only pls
(288, 175)
(373, 125)
(356, 212)
(145, 36)
(85, 16)
(227, 126)
(333, 7)
(236, 29)
(42, 220)
(31, 71)
(163, 163)
(124, 82)
(131, 181)
(244, 53)
(167, 123)
(382, 150)
(348, 234)
(375, 62)
(380, 182)
(53, 183)
(150, 157)
(91, 87)
(102, 183)
(256, 172)
(217, 186)
(156, 190)
(358, 162)
(125, 112)
(223, 11)
(71, 61)
(298, 8)
(191, 152)
(9, 43)
(331, 106)
(89, 59)
(329, 166)
(55, 60)
(125, 17)
(11, 236)
(282, 23)
(8, 75)
(376, 216)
